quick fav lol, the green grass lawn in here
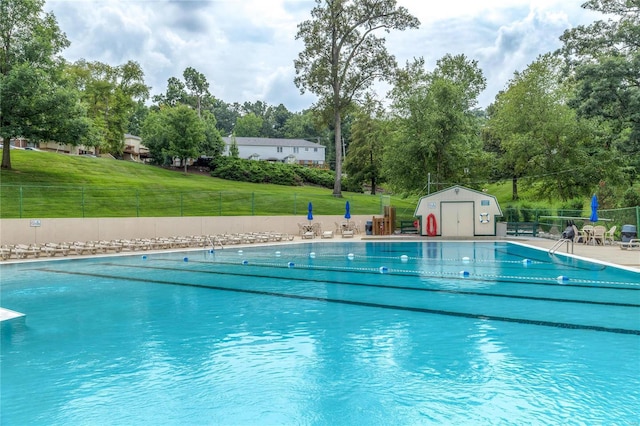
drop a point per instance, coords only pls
(45, 184)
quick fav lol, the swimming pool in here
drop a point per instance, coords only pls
(323, 333)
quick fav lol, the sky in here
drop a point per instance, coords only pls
(246, 48)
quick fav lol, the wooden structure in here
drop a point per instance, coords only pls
(385, 225)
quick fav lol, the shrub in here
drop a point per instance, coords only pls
(238, 169)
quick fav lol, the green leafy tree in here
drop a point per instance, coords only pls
(155, 135)
(604, 60)
(363, 162)
(540, 136)
(213, 145)
(437, 130)
(185, 132)
(36, 102)
(176, 94)
(226, 115)
(112, 95)
(249, 125)
(343, 56)
(198, 87)
(234, 151)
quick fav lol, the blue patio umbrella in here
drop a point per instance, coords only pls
(594, 209)
(310, 212)
(347, 211)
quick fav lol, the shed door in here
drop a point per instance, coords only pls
(457, 219)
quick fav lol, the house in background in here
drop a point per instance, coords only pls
(292, 151)
(62, 148)
(134, 150)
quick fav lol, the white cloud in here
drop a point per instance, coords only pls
(246, 48)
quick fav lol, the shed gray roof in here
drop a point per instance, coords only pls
(243, 141)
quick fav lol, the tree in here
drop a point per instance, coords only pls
(540, 136)
(234, 151)
(213, 145)
(176, 94)
(198, 86)
(178, 132)
(112, 95)
(343, 56)
(249, 125)
(437, 128)
(36, 102)
(369, 132)
(604, 59)
(185, 133)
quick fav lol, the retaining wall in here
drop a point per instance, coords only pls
(38, 231)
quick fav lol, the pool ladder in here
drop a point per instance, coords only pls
(558, 244)
(214, 239)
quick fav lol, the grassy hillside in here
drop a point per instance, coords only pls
(45, 184)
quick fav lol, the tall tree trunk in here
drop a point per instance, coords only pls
(6, 154)
(514, 188)
(337, 186)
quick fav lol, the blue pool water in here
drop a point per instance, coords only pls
(323, 334)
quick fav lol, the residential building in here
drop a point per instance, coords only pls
(292, 151)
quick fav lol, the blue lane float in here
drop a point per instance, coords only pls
(291, 264)
(384, 269)
(562, 279)
(186, 259)
(144, 257)
(464, 273)
(245, 262)
(526, 262)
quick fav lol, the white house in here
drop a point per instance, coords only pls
(295, 151)
(458, 212)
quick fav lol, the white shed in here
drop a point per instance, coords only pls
(458, 212)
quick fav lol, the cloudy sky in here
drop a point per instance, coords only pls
(246, 48)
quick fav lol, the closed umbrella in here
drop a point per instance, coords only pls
(310, 212)
(594, 209)
(347, 211)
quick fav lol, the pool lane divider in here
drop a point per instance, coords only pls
(519, 279)
(385, 286)
(358, 303)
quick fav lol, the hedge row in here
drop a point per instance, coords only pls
(253, 171)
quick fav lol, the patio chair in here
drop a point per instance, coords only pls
(327, 234)
(51, 249)
(578, 236)
(587, 231)
(632, 244)
(5, 252)
(23, 251)
(608, 236)
(598, 234)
